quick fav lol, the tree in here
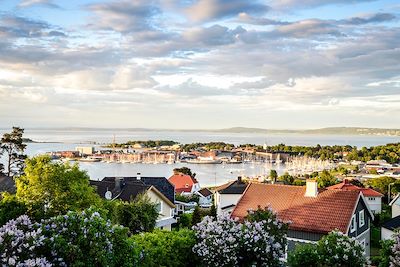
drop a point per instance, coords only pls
(304, 255)
(273, 175)
(287, 178)
(196, 217)
(213, 211)
(49, 188)
(381, 183)
(13, 147)
(185, 170)
(10, 208)
(139, 215)
(326, 179)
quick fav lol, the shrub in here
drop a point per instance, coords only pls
(259, 241)
(166, 248)
(10, 208)
(304, 255)
(337, 249)
(75, 239)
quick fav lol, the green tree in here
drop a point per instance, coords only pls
(139, 215)
(213, 211)
(10, 208)
(287, 178)
(326, 179)
(13, 147)
(185, 170)
(304, 255)
(273, 175)
(381, 183)
(49, 188)
(196, 217)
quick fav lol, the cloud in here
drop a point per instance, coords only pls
(12, 26)
(29, 3)
(124, 16)
(290, 4)
(214, 35)
(205, 10)
(371, 18)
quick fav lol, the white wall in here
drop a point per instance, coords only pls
(396, 208)
(374, 205)
(386, 234)
(223, 200)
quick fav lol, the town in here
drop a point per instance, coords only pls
(349, 204)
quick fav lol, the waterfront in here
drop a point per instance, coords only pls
(209, 174)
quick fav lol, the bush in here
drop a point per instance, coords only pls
(304, 255)
(164, 248)
(75, 239)
(139, 215)
(10, 208)
(259, 241)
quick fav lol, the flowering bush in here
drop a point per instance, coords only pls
(337, 249)
(395, 257)
(228, 242)
(334, 249)
(75, 239)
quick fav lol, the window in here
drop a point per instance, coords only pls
(353, 224)
(172, 212)
(371, 198)
(159, 207)
(361, 219)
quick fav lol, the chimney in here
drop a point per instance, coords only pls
(119, 183)
(311, 188)
(138, 176)
(239, 179)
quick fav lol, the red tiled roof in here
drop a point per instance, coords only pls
(346, 185)
(329, 210)
(182, 182)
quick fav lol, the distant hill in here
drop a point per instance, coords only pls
(328, 130)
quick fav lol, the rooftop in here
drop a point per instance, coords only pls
(347, 185)
(329, 210)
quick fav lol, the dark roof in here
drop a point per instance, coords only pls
(205, 192)
(160, 183)
(236, 187)
(392, 224)
(129, 190)
(7, 184)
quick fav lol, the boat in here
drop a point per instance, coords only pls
(90, 159)
(204, 160)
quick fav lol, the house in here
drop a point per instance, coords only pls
(205, 197)
(395, 204)
(227, 195)
(373, 198)
(389, 227)
(127, 188)
(7, 184)
(184, 184)
(312, 213)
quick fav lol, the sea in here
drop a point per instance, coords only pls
(207, 174)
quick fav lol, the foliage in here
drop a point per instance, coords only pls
(146, 144)
(334, 249)
(10, 208)
(139, 215)
(287, 178)
(337, 249)
(385, 252)
(187, 198)
(166, 248)
(382, 184)
(185, 170)
(273, 175)
(208, 146)
(185, 220)
(75, 239)
(326, 179)
(394, 256)
(227, 242)
(49, 188)
(304, 255)
(213, 211)
(196, 216)
(13, 146)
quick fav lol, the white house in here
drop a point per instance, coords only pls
(205, 197)
(388, 228)
(227, 195)
(395, 204)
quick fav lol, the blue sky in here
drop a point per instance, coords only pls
(200, 63)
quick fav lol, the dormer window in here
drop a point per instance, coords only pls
(186, 185)
(353, 224)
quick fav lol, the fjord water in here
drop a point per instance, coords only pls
(209, 174)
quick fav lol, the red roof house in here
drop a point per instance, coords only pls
(312, 213)
(184, 183)
(346, 185)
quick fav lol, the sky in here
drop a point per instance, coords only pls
(190, 64)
